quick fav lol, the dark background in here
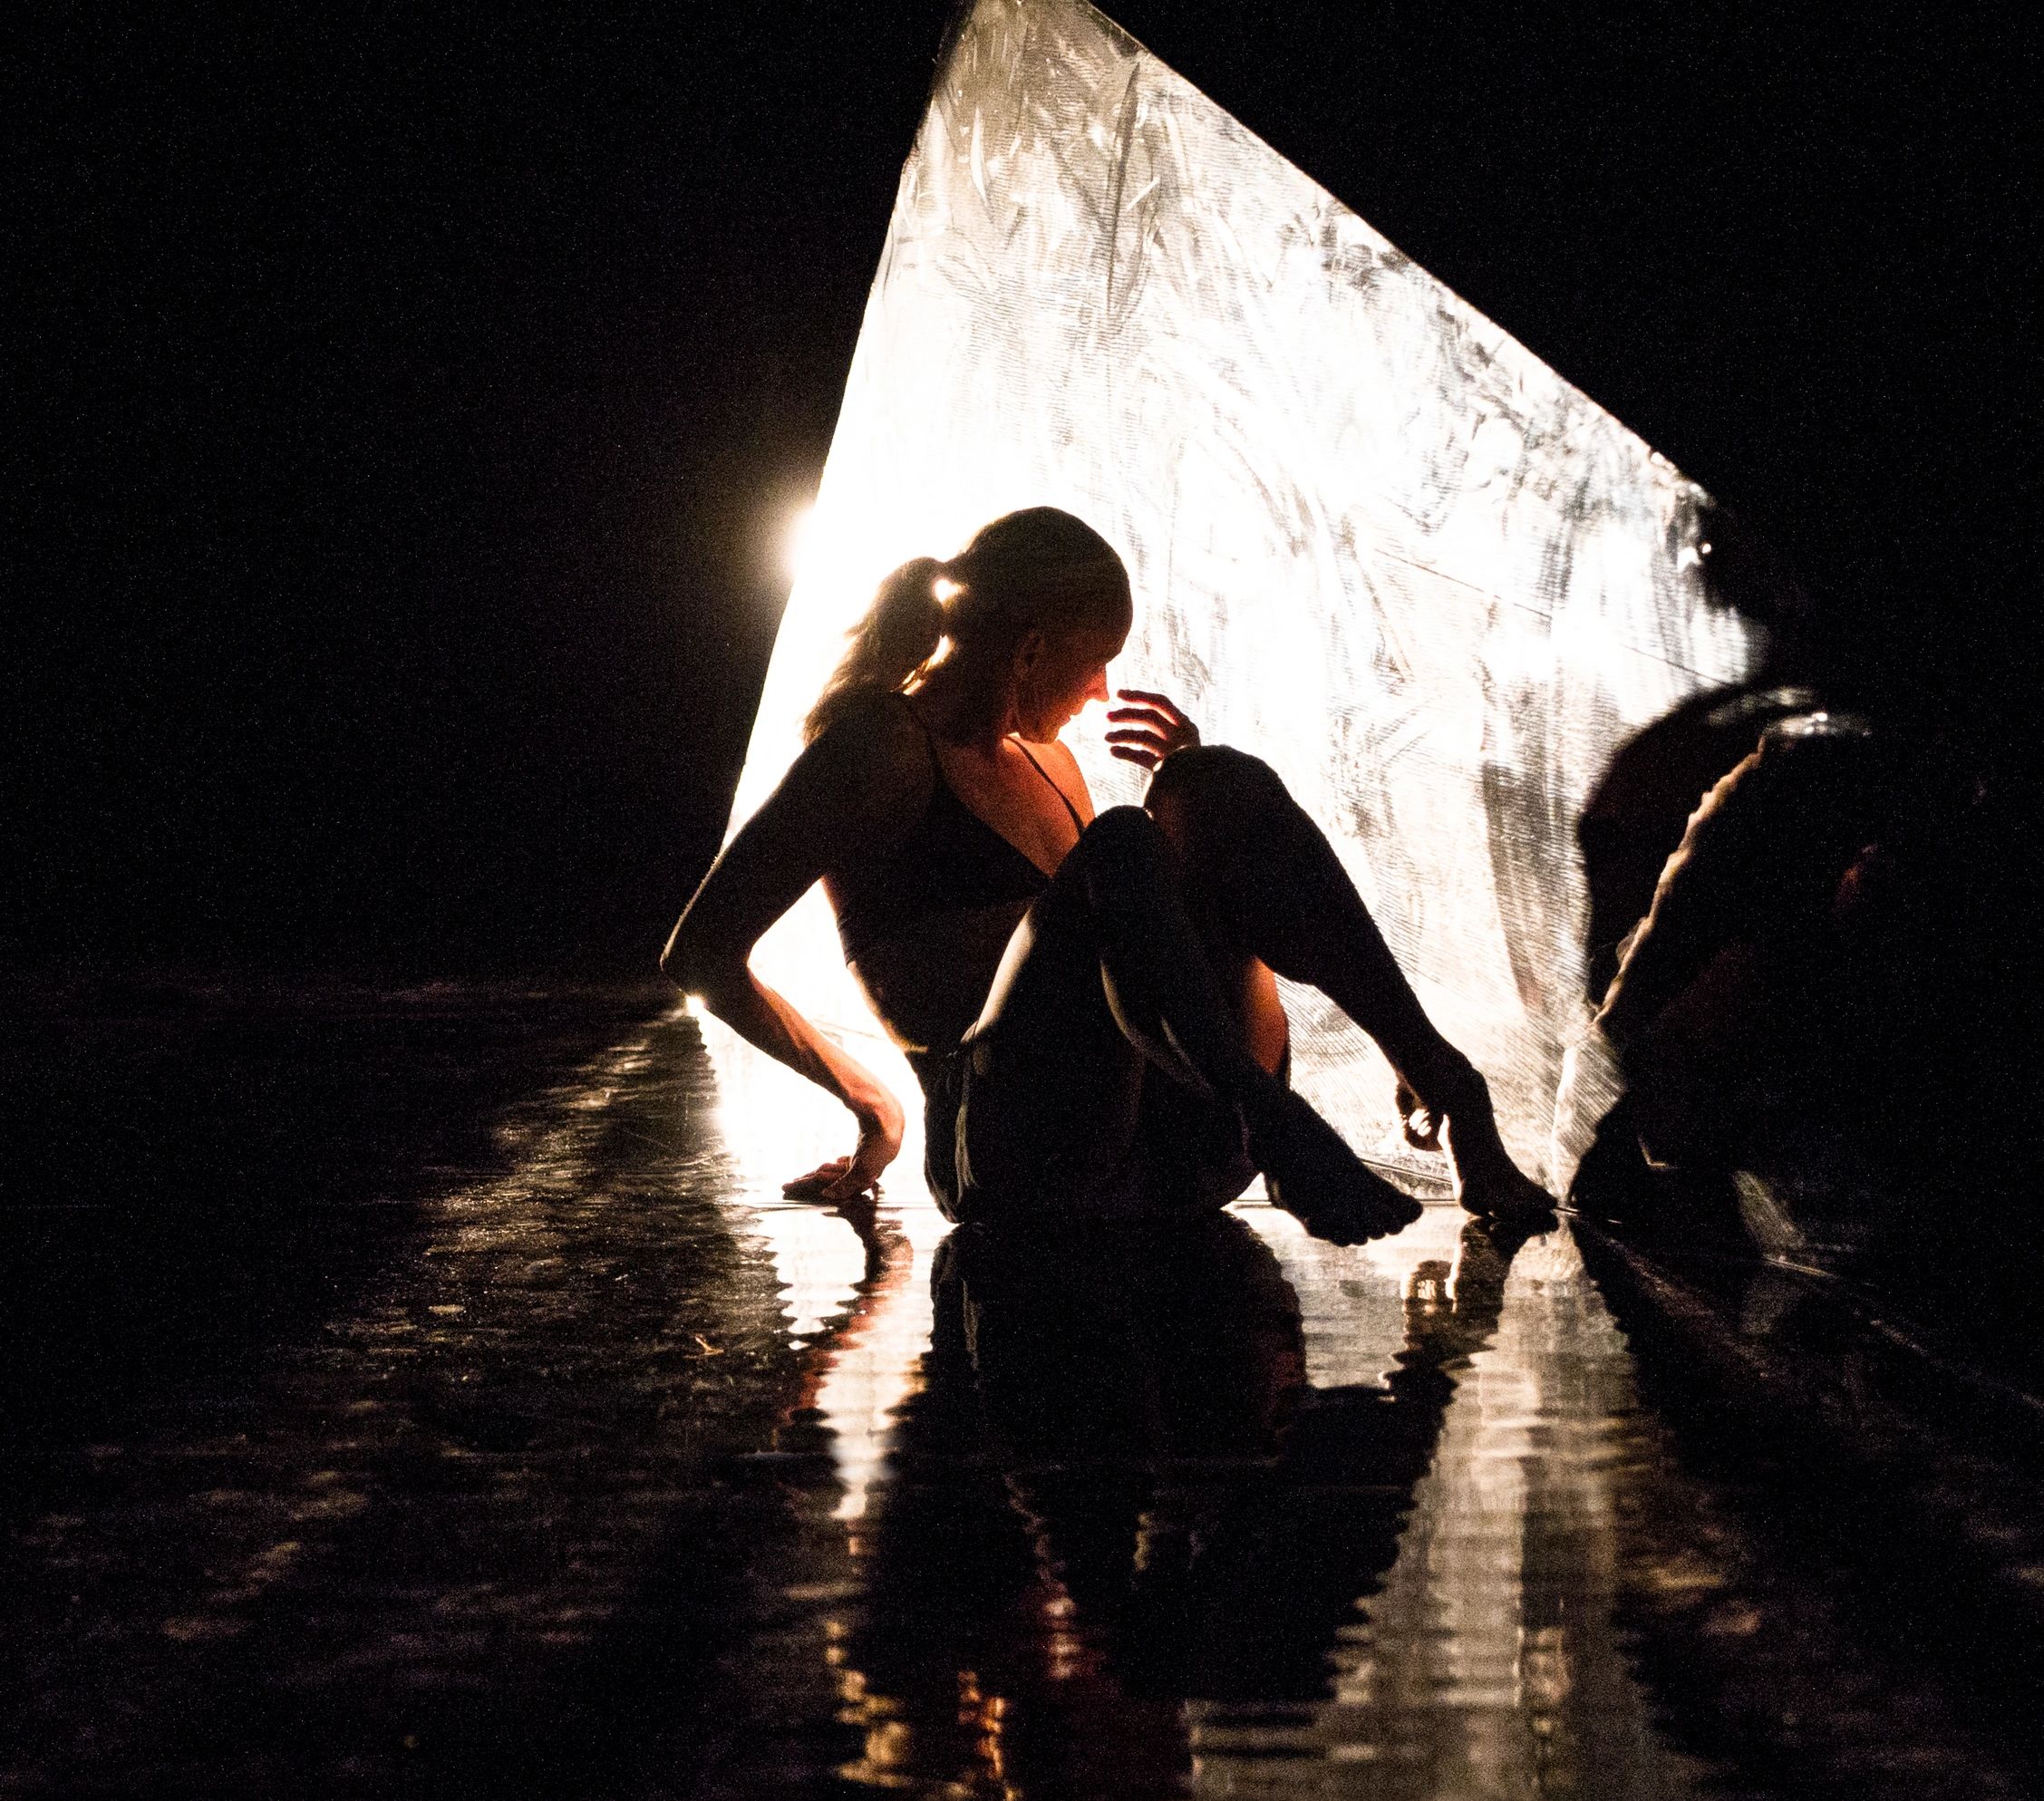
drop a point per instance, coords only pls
(406, 405)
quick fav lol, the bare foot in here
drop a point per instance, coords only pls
(1486, 1181)
(1313, 1175)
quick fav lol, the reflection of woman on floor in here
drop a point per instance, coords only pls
(1089, 1004)
(1116, 1488)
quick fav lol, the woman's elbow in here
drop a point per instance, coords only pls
(699, 969)
(681, 958)
(680, 961)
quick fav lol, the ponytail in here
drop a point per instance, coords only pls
(898, 636)
(1039, 569)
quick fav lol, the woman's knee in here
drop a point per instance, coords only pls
(1214, 784)
(1122, 839)
(1121, 858)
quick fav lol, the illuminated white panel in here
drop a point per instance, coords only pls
(1373, 537)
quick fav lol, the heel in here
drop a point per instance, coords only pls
(1312, 1173)
(1487, 1182)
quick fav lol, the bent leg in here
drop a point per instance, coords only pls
(1075, 1014)
(1055, 1083)
(1108, 975)
(1262, 877)
(1265, 880)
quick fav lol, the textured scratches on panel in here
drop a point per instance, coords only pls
(1373, 538)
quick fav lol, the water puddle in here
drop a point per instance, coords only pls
(1241, 1513)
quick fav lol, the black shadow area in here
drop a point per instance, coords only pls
(1889, 1480)
(194, 1171)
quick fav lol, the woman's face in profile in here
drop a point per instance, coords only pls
(1071, 670)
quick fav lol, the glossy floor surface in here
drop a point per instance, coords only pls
(429, 1392)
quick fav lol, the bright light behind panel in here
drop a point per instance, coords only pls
(1373, 538)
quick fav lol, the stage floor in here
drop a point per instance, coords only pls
(429, 1392)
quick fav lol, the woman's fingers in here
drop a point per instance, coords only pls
(809, 1187)
(846, 1178)
(1154, 720)
(1145, 734)
(1148, 755)
(1149, 717)
(860, 1176)
(1147, 748)
(843, 1179)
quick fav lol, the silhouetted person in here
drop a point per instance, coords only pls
(1800, 941)
(1633, 820)
(1091, 1005)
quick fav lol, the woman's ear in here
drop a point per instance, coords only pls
(1029, 651)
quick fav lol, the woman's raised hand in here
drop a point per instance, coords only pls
(1147, 728)
(846, 1178)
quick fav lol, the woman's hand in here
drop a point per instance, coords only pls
(1419, 1121)
(1148, 729)
(846, 1178)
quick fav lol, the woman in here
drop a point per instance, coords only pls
(1089, 1004)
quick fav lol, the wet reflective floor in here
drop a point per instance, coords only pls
(430, 1393)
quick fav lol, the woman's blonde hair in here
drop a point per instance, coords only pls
(1038, 569)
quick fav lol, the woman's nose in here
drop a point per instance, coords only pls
(1099, 692)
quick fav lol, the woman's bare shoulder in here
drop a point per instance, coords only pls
(858, 786)
(876, 743)
(1062, 756)
(874, 758)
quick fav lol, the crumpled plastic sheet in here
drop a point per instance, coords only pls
(1373, 537)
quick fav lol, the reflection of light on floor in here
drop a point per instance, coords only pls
(1488, 1663)
(818, 1259)
(775, 1124)
(871, 1378)
(1489, 1660)
(1350, 1296)
(505, 1304)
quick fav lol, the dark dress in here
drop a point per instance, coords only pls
(952, 868)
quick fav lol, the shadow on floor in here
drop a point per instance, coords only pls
(194, 1171)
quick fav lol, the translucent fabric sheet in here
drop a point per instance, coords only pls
(1372, 538)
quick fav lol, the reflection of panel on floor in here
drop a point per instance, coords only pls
(1373, 539)
(1127, 1481)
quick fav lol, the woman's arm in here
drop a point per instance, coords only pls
(849, 794)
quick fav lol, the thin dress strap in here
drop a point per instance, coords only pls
(1055, 789)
